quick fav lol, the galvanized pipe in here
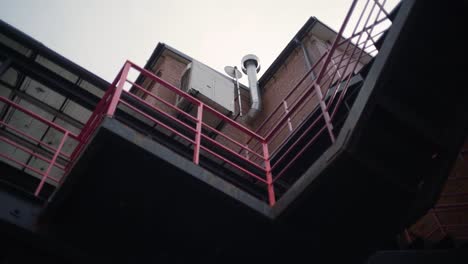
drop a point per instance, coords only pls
(251, 66)
(239, 100)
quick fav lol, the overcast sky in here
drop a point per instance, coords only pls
(101, 35)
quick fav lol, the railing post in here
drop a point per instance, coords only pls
(326, 115)
(118, 90)
(338, 37)
(52, 162)
(439, 225)
(269, 177)
(407, 236)
(247, 153)
(196, 149)
(324, 68)
(286, 110)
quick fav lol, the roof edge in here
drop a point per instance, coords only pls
(286, 51)
(38, 46)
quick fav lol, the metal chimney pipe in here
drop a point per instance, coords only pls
(251, 66)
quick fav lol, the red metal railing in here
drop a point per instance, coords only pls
(246, 151)
(351, 53)
(194, 129)
(55, 153)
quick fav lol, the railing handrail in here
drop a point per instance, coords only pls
(56, 153)
(243, 147)
(37, 117)
(197, 127)
(32, 138)
(307, 75)
(146, 92)
(155, 120)
(160, 111)
(115, 95)
(27, 166)
(194, 100)
(30, 152)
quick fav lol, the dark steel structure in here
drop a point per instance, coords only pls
(138, 182)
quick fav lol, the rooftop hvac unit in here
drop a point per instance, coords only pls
(207, 85)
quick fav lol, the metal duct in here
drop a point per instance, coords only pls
(251, 66)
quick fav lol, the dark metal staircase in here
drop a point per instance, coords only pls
(380, 174)
(134, 194)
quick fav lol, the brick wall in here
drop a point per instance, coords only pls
(170, 68)
(287, 77)
(452, 219)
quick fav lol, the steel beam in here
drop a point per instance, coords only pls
(50, 78)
